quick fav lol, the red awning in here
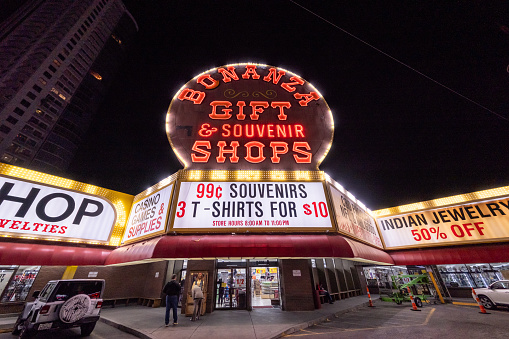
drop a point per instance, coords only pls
(475, 254)
(247, 246)
(50, 255)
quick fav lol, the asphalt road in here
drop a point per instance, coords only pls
(101, 331)
(388, 320)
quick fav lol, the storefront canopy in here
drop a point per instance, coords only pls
(248, 246)
(50, 255)
(486, 253)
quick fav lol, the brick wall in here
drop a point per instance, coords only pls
(362, 279)
(129, 280)
(296, 292)
(153, 285)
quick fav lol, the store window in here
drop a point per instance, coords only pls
(17, 282)
(503, 268)
(231, 288)
(381, 276)
(456, 276)
(484, 274)
(231, 284)
(6, 273)
(472, 275)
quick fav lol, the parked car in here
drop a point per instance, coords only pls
(62, 304)
(497, 294)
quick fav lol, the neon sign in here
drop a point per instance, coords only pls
(249, 116)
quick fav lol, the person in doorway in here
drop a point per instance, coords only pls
(221, 294)
(324, 292)
(199, 280)
(172, 291)
(197, 295)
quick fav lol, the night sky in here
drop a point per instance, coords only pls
(399, 136)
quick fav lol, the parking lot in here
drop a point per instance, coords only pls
(388, 320)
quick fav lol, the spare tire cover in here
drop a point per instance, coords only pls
(75, 308)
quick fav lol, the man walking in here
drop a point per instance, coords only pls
(172, 290)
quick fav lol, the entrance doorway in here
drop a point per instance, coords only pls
(231, 288)
(265, 287)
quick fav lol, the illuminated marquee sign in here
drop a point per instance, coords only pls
(30, 209)
(466, 223)
(149, 215)
(249, 116)
(354, 221)
(251, 205)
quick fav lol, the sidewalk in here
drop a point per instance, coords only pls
(145, 322)
(7, 322)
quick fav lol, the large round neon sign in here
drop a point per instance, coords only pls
(249, 116)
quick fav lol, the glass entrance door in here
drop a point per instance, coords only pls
(231, 288)
(265, 287)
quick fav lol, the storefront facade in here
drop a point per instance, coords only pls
(250, 213)
(464, 238)
(251, 210)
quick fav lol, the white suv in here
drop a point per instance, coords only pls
(497, 294)
(62, 304)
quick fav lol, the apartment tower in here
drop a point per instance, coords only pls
(57, 60)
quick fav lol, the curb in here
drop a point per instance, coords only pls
(465, 304)
(4, 327)
(7, 322)
(317, 321)
(124, 328)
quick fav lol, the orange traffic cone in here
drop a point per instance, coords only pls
(414, 306)
(369, 296)
(483, 310)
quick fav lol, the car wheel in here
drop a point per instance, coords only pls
(86, 329)
(418, 301)
(487, 303)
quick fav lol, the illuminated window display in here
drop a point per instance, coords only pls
(380, 276)
(472, 275)
(19, 283)
(6, 273)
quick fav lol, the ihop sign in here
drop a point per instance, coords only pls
(249, 116)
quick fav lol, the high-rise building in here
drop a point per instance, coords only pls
(57, 60)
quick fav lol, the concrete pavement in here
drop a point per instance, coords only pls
(145, 322)
(388, 320)
(101, 331)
